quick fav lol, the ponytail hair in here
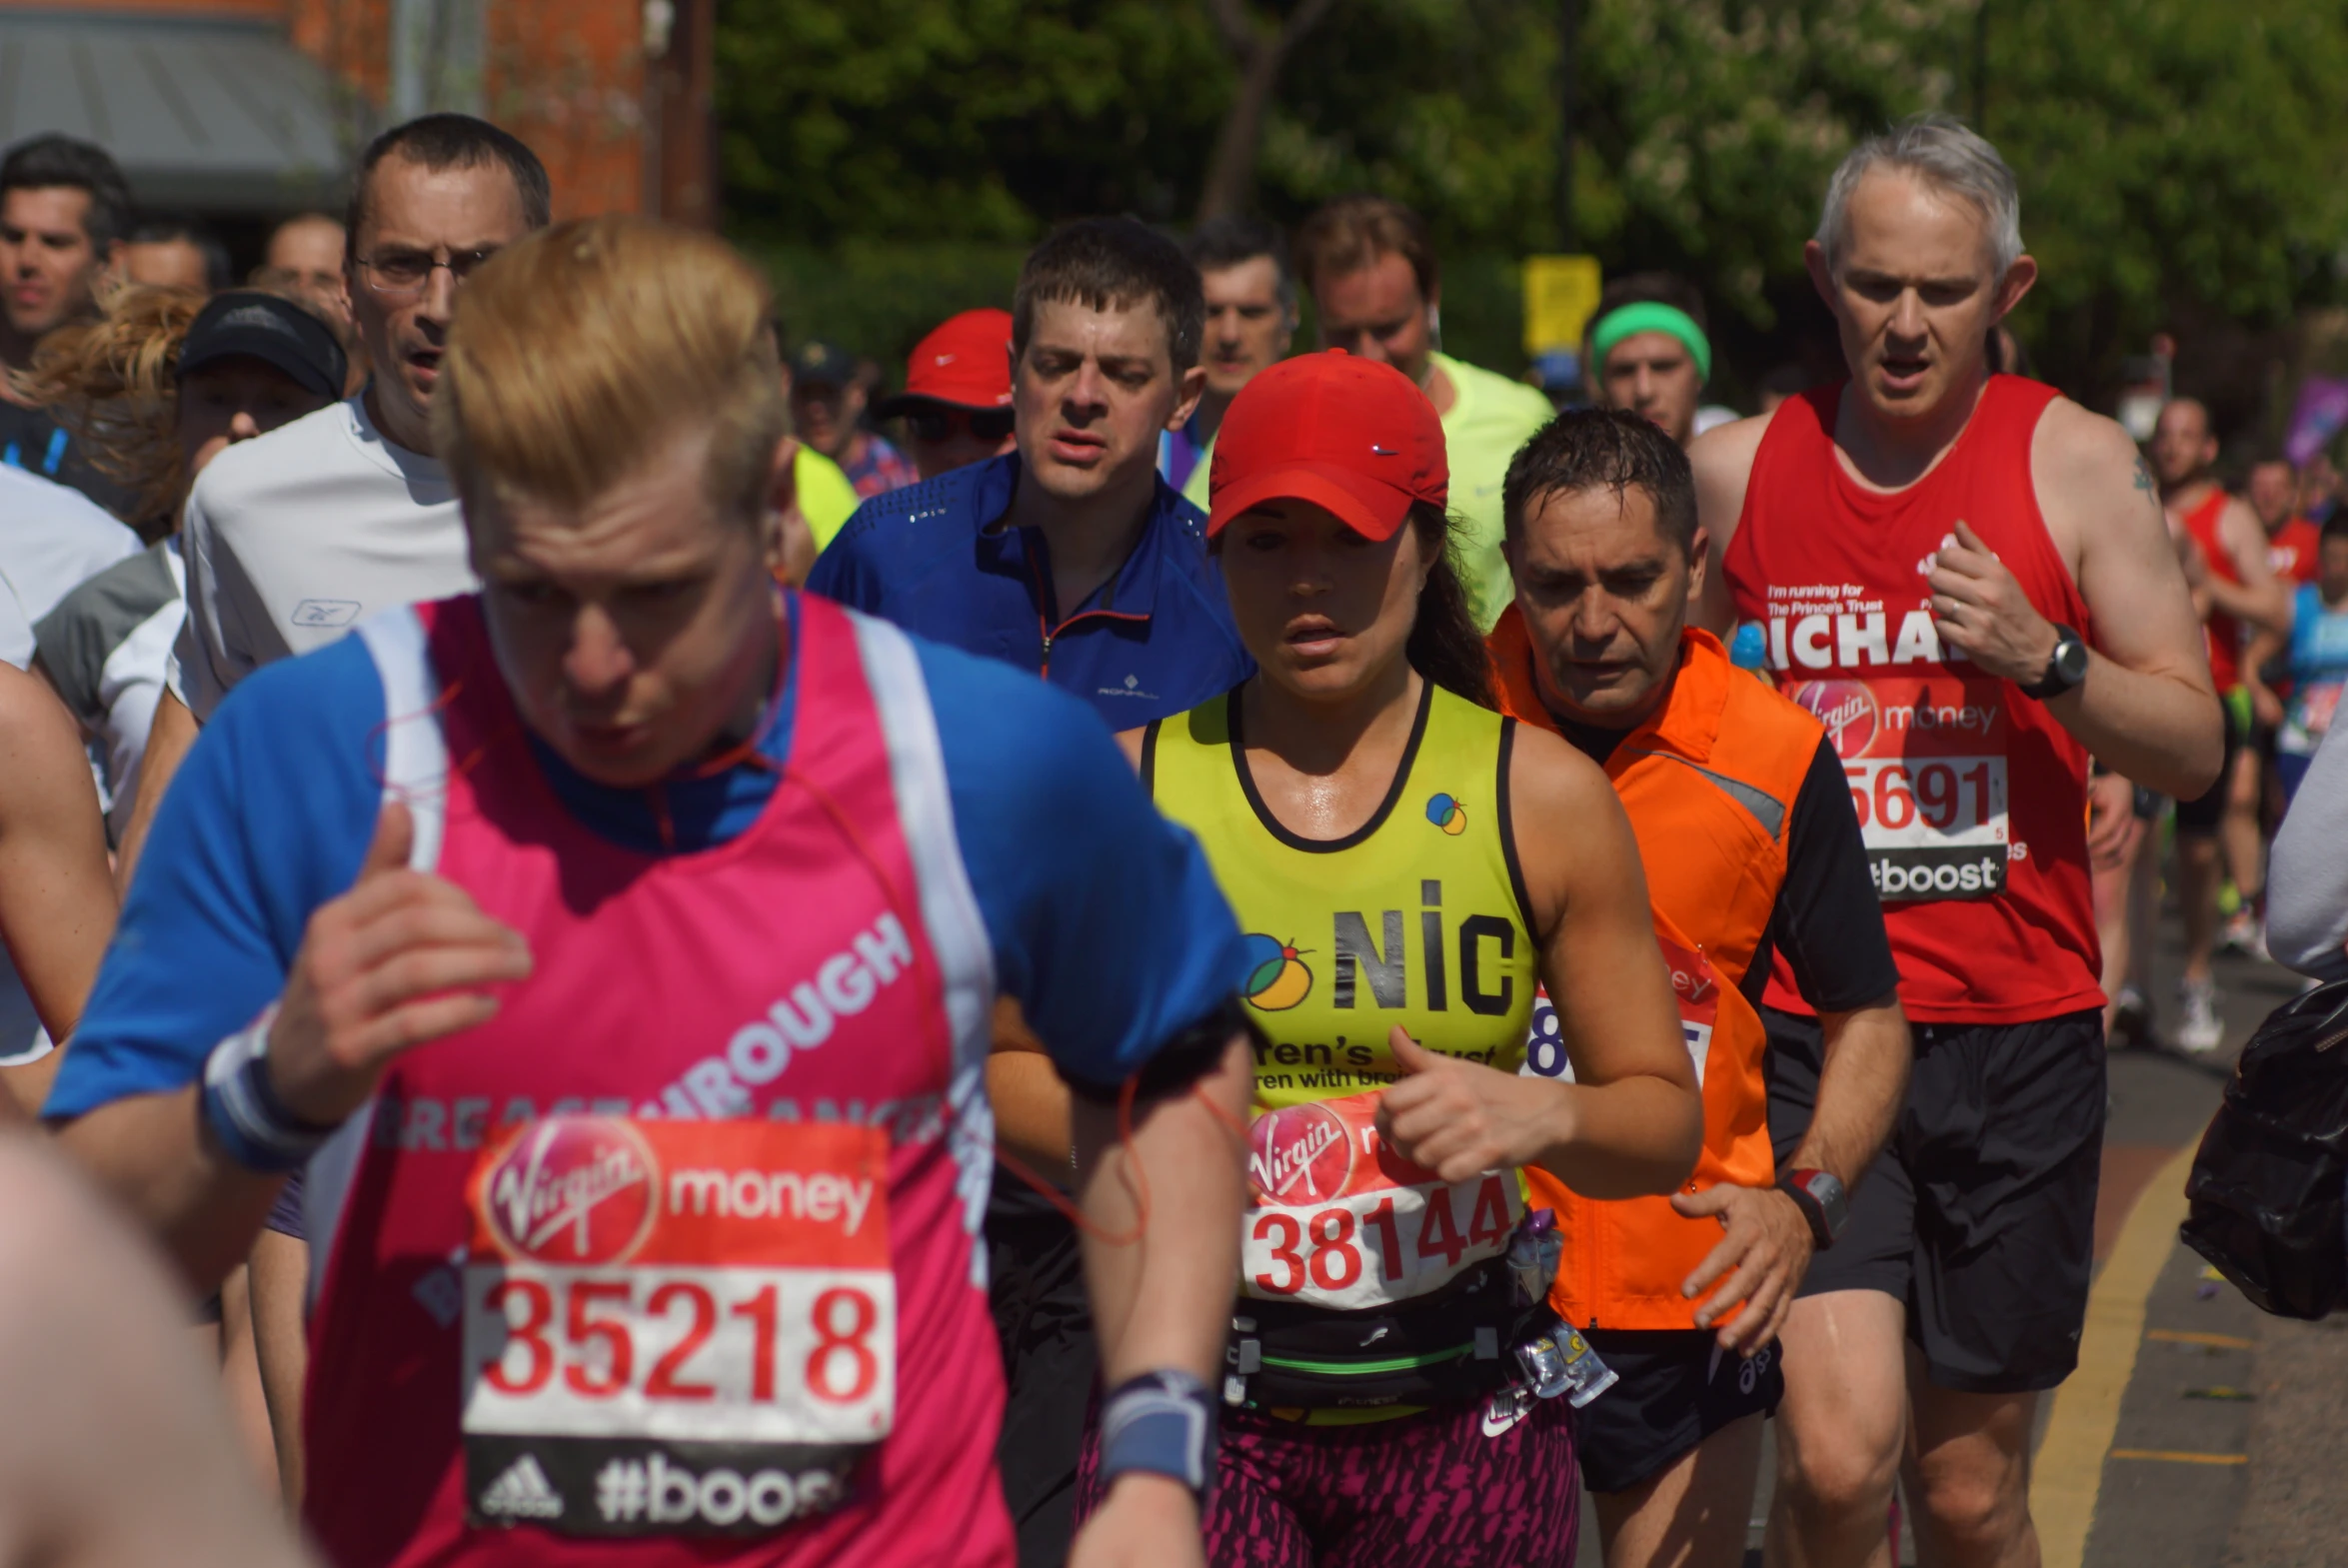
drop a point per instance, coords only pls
(1444, 646)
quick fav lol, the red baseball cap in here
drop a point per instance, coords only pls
(1349, 435)
(964, 361)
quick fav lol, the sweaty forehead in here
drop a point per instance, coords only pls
(45, 207)
(461, 206)
(1385, 289)
(1253, 281)
(1599, 527)
(1898, 225)
(1120, 330)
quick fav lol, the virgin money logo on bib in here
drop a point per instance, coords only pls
(1846, 707)
(1299, 1155)
(573, 1190)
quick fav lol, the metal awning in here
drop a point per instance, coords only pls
(217, 115)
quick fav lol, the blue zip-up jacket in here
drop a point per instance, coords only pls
(937, 559)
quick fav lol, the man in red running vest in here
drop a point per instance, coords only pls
(2235, 590)
(1967, 577)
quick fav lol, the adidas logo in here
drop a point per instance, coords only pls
(522, 1493)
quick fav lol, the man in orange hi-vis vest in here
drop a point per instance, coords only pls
(1753, 849)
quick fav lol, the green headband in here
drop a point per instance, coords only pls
(1650, 316)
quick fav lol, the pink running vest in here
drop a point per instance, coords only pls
(675, 1260)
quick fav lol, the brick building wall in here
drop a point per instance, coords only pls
(570, 77)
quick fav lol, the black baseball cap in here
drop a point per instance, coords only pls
(248, 324)
(822, 363)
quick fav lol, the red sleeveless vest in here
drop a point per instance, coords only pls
(1971, 797)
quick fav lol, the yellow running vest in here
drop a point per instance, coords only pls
(1416, 919)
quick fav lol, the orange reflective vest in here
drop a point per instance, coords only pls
(1709, 783)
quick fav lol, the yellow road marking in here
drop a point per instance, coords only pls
(2175, 1456)
(2178, 1336)
(2068, 1470)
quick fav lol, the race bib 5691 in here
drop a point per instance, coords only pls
(1925, 758)
(674, 1328)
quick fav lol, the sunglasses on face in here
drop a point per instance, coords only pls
(935, 425)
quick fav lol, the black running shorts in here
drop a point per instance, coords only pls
(2001, 1145)
(1675, 1387)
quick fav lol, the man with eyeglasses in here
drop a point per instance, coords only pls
(292, 538)
(956, 404)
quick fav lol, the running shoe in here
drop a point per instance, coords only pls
(2201, 1030)
(2245, 934)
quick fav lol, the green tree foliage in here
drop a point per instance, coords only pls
(2174, 156)
(982, 120)
(2177, 160)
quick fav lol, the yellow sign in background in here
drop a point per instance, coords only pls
(1559, 294)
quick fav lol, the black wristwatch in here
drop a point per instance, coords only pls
(1819, 1195)
(2065, 668)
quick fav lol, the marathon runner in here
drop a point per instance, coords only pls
(292, 538)
(956, 404)
(1072, 560)
(617, 948)
(1967, 577)
(1376, 289)
(1250, 324)
(155, 389)
(1400, 858)
(1649, 352)
(2215, 836)
(2314, 662)
(2273, 493)
(1745, 828)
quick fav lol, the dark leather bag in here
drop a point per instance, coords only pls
(2269, 1189)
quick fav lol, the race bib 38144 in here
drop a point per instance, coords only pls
(1336, 1218)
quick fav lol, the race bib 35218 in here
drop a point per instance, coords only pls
(674, 1328)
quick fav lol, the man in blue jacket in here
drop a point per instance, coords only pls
(1069, 556)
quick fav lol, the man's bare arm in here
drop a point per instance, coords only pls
(2260, 600)
(1031, 1103)
(1766, 1242)
(1862, 1082)
(57, 902)
(168, 739)
(2147, 708)
(1723, 463)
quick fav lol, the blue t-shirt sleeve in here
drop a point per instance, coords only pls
(842, 573)
(269, 817)
(1106, 924)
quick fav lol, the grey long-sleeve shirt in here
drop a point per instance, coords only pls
(2307, 888)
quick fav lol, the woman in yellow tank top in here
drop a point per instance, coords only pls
(1409, 866)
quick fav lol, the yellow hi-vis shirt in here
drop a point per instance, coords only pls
(1489, 419)
(1416, 919)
